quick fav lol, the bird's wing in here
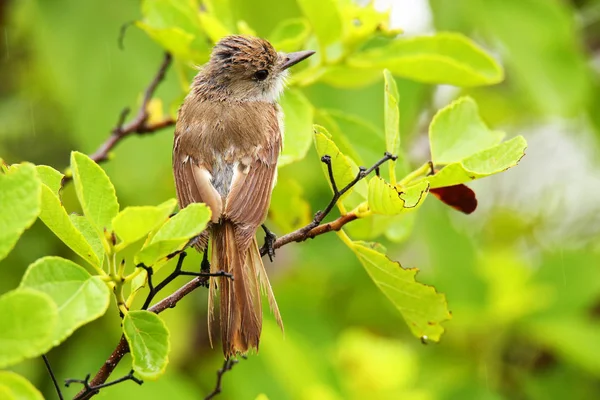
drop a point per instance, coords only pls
(248, 200)
(193, 180)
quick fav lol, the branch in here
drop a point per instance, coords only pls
(315, 228)
(91, 389)
(227, 365)
(139, 125)
(47, 362)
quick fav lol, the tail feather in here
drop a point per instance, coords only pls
(240, 308)
(255, 260)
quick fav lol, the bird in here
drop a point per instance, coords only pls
(227, 141)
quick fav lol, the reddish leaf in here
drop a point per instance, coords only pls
(459, 197)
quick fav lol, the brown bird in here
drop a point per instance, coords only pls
(227, 142)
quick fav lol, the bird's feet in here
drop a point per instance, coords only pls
(270, 239)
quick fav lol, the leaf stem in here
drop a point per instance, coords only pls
(392, 167)
(422, 170)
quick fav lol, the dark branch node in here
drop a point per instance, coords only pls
(93, 390)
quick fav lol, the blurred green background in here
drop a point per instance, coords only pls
(521, 274)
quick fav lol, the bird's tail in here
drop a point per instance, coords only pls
(240, 310)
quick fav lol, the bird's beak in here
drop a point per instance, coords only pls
(295, 58)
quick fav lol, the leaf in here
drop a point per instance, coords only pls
(54, 215)
(84, 226)
(95, 192)
(479, 165)
(448, 58)
(391, 114)
(17, 387)
(387, 199)
(175, 25)
(297, 122)
(175, 40)
(325, 18)
(344, 169)
(459, 197)
(347, 77)
(28, 320)
(79, 296)
(50, 177)
(362, 22)
(290, 34)
(421, 306)
(148, 340)
(457, 131)
(19, 204)
(175, 233)
(133, 223)
(138, 281)
(213, 28)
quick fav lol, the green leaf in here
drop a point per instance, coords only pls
(17, 387)
(54, 215)
(387, 199)
(133, 223)
(290, 34)
(79, 296)
(169, 13)
(19, 204)
(83, 225)
(391, 114)
(138, 281)
(344, 169)
(325, 18)
(175, 233)
(50, 177)
(148, 340)
(297, 122)
(457, 131)
(421, 306)
(95, 192)
(28, 320)
(174, 40)
(362, 22)
(347, 77)
(449, 58)
(213, 27)
(479, 165)
(175, 25)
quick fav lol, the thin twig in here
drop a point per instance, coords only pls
(227, 365)
(139, 125)
(314, 228)
(90, 389)
(49, 368)
(176, 273)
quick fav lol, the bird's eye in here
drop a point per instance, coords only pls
(261, 75)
